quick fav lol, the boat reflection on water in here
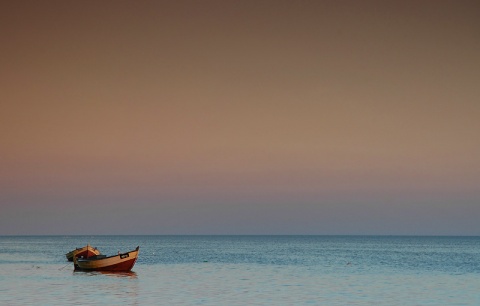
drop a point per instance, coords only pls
(116, 288)
(129, 274)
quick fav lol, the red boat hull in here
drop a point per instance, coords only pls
(118, 263)
(120, 267)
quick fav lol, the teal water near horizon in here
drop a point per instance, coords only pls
(246, 270)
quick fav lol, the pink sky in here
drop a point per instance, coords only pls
(240, 117)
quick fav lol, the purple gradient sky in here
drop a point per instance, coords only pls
(240, 117)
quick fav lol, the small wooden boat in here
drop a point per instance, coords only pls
(118, 263)
(86, 251)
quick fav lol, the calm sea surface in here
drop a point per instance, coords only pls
(246, 270)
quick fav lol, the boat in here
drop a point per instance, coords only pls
(117, 263)
(85, 252)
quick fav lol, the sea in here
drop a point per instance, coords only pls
(246, 270)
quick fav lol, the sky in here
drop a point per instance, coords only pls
(240, 117)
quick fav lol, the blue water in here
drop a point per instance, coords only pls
(246, 270)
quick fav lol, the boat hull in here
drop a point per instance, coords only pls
(118, 263)
(85, 252)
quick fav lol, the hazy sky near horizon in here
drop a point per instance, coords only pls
(240, 117)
